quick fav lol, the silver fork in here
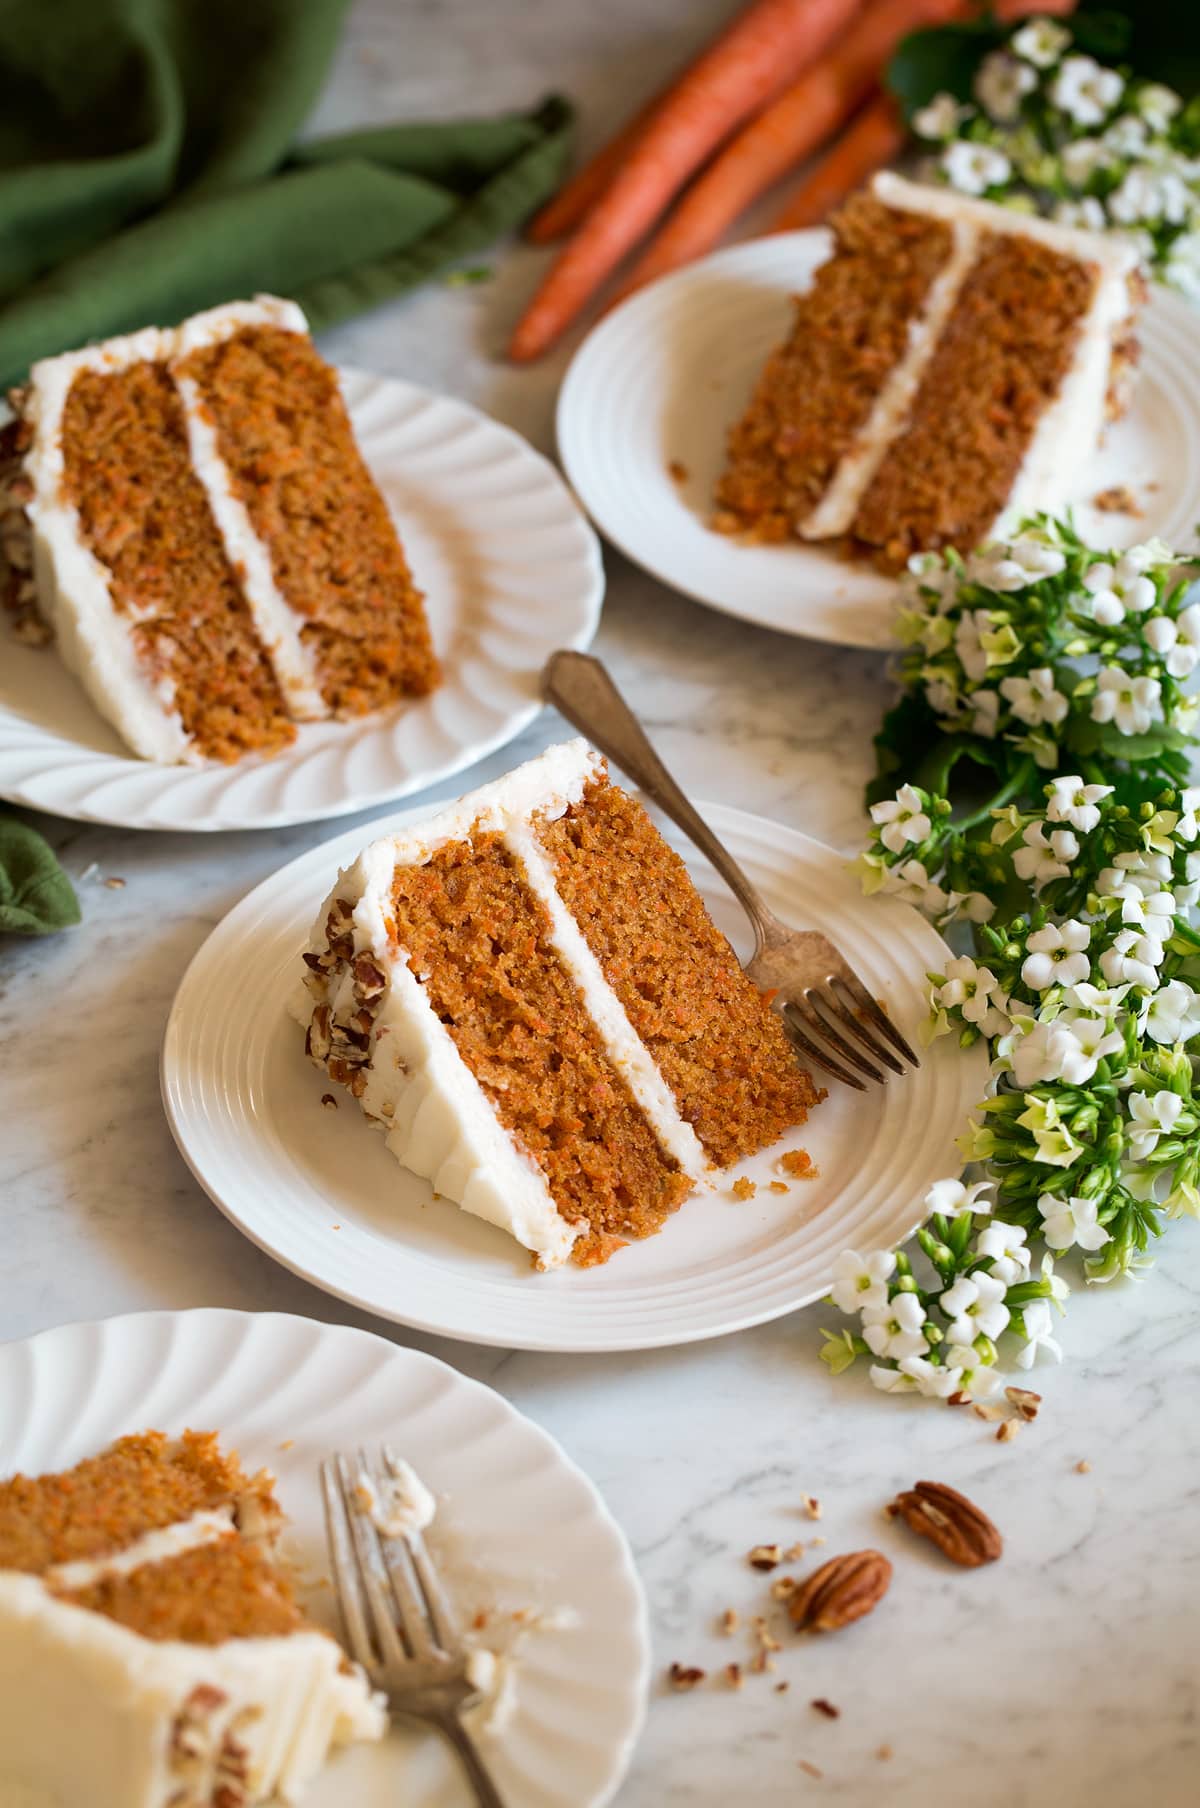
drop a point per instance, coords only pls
(398, 1622)
(829, 1014)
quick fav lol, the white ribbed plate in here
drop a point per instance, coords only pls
(318, 1190)
(519, 1527)
(510, 570)
(664, 376)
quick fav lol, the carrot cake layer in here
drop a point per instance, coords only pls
(285, 437)
(726, 1058)
(953, 361)
(501, 1007)
(142, 1610)
(818, 389)
(209, 548)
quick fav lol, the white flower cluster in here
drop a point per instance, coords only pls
(1050, 129)
(940, 1339)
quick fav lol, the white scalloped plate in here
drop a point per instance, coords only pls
(318, 1190)
(662, 378)
(510, 570)
(519, 1527)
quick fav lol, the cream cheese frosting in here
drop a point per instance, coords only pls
(416, 1087)
(73, 585)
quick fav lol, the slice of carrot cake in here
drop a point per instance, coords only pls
(209, 547)
(152, 1652)
(527, 995)
(952, 360)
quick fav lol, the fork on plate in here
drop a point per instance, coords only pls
(828, 1012)
(398, 1622)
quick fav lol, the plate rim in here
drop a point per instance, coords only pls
(549, 1344)
(640, 1625)
(24, 794)
(1161, 300)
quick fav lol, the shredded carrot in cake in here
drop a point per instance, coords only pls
(224, 1590)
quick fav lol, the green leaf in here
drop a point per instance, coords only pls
(942, 60)
(35, 894)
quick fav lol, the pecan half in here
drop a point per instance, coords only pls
(960, 1529)
(842, 1590)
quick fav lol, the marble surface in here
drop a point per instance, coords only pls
(1067, 1673)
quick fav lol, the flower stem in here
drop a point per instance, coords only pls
(1013, 786)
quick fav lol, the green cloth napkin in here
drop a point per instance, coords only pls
(148, 169)
(35, 893)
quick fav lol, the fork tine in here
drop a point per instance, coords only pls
(414, 1616)
(876, 1012)
(817, 1020)
(445, 1623)
(372, 1573)
(852, 1019)
(345, 1566)
(791, 1023)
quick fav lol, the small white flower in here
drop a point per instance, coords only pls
(1086, 214)
(1132, 960)
(1127, 136)
(1151, 195)
(939, 120)
(1041, 42)
(1004, 1245)
(1133, 704)
(1188, 826)
(941, 695)
(1057, 1051)
(1041, 859)
(1151, 1115)
(985, 712)
(1173, 1014)
(977, 907)
(891, 1381)
(950, 1197)
(897, 1328)
(1035, 699)
(1069, 800)
(1162, 635)
(1071, 1223)
(1118, 589)
(975, 992)
(1157, 105)
(1182, 268)
(975, 1304)
(985, 1384)
(860, 1282)
(1095, 1001)
(1085, 90)
(1095, 1037)
(975, 168)
(1037, 1334)
(1056, 956)
(1082, 158)
(932, 1380)
(903, 818)
(1015, 566)
(1001, 85)
(910, 882)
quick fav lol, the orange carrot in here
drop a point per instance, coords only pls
(874, 138)
(786, 132)
(563, 211)
(723, 87)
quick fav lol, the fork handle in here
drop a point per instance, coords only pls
(582, 690)
(486, 1793)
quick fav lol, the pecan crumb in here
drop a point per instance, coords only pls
(884, 1753)
(959, 1398)
(1083, 1467)
(764, 1635)
(795, 1550)
(812, 1506)
(816, 1541)
(329, 1101)
(685, 1676)
(1118, 500)
(765, 1556)
(781, 1688)
(827, 1708)
(480, 1620)
(744, 1189)
(115, 884)
(780, 1186)
(760, 1663)
(988, 1413)
(678, 470)
(729, 1621)
(1023, 1401)
(810, 1770)
(733, 1675)
(1007, 1432)
(782, 1587)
